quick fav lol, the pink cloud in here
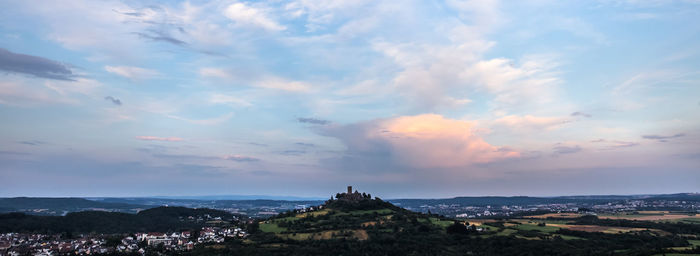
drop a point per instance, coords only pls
(158, 138)
(422, 141)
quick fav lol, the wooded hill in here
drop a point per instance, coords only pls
(159, 219)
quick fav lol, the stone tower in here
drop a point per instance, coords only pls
(349, 189)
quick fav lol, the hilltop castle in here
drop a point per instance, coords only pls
(352, 196)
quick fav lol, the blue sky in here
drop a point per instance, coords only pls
(398, 98)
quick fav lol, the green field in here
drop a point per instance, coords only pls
(694, 242)
(510, 229)
(506, 232)
(293, 218)
(689, 220)
(630, 216)
(530, 227)
(441, 223)
(550, 221)
(486, 227)
(271, 227)
(363, 212)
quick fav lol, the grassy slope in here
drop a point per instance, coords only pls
(354, 219)
(368, 216)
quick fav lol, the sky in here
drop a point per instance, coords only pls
(401, 99)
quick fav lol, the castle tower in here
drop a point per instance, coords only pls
(349, 190)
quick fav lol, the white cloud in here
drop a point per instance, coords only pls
(243, 14)
(648, 80)
(483, 14)
(283, 84)
(214, 72)
(155, 138)
(433, 75)
(362, 88)
(580, 28)
(210, 121)
(82, 86)
(27, 92)
(16, 94)
(647, 87)
(321, 13)
(266, 82)
(218, 98)
(92, 27)
(529, 122)
(132, 72)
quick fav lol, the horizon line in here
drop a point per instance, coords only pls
(311, 198)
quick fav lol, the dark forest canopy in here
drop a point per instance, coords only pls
(159, 219)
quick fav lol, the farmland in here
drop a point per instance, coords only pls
(652, 216)
(657, 216)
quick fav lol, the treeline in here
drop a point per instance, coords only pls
(160, 219)
(363, 204)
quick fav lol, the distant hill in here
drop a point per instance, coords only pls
(261, 207)
(159, 219)
(677, 196)
(526, 200)
(492, 200)
(210, 203)
(243, 197)
(60, 206)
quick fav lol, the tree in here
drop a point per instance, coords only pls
(457, 228)
(253, 227)
(113, 241)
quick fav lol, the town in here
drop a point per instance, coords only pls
(593, 208)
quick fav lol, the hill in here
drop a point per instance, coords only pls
(349, 219)
(527, 200)
(242, 197)
(356, 224)
(159, 219)
(60, 206)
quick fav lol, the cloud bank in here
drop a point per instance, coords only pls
(421, 141)
(34, 66)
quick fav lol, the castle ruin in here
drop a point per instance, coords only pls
(352, 196)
